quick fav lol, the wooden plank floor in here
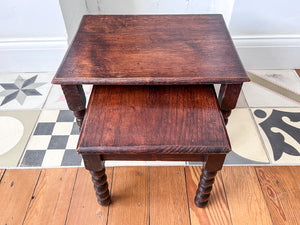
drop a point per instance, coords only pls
(150, 195)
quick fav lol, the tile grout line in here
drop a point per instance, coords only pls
(187, 194)
(260, 137)
(226, 196)
(27, 142)
(67, 215)
(276, 94)
(47, 97)
(247, 104)
(32, 196)
(271, 85)
(257, 177)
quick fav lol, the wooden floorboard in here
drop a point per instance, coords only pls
(168, 196)
(217, 211)
(84, 208)
(52, 197)
(245, 198)
(155, 195)
(130, 196)
(296, 174)
(282, 193)
(16, 190)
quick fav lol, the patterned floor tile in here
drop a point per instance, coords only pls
(280, 129)
(241, 103)
(53, 141)
(24, 90)
(259, 96)
(272, 88)
(247, 147)
(287, 79)
(56, 98)
(15, 130)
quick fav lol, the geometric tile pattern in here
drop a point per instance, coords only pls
(20, 89)
(24, 90)
(54, 141)
(15, 130)
(263, 129)
(245, 140)
(272, 89)
(280, 130)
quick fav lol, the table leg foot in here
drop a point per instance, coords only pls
(79, 117)
(99, 179)
(213, 163)
(204, 188)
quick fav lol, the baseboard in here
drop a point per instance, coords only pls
(31, 54)
(269, 52)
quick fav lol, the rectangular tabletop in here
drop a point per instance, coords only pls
(153, 119)
(151, 49)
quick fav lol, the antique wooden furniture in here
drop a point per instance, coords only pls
(180, 123)
(152, 97)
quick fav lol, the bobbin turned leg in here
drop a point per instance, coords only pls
(212, 164)
(95, 165)
(76, 101)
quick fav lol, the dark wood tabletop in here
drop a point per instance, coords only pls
(151, 49)
(153, 120)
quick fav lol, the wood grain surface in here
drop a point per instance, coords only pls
(168, 196)
(52, 197)
(130, 196)
(84, 208)
(168, 202)
(166, 120)
(16, 190)
(151, 49)
(282, 193)
(216, 212)
(295, 170)
(245, 199)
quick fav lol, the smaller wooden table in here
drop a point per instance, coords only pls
(181, 123)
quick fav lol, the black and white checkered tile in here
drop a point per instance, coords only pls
(53, 141)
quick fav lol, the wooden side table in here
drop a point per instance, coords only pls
(155, 65)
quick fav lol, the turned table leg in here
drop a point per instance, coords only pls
(212, 165)
(228, 96)
(95, 165)
(76, 101)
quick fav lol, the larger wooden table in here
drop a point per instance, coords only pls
(139, 50)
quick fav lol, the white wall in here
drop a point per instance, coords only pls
(267, 33)
(32, 35)
(72, 10)
(160, 7)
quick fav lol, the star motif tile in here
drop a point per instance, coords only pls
(24, 90)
